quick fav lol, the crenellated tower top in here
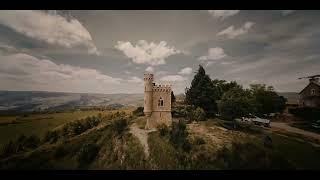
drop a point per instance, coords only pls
(162, 88)
(148, 77)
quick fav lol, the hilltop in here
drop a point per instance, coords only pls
(117, 140)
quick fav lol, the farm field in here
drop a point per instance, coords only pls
(12, 127)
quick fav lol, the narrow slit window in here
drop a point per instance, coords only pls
(160, 102)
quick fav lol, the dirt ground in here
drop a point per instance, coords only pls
(218, 136)
(286, 127)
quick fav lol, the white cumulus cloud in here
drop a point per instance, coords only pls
(25, 72)
(215, 53)
(50, 28)
(231, 32)
(223, 14)
(150, 69)
(185, 71)
(147, 53)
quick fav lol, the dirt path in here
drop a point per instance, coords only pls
(142, 135)
(285, 126)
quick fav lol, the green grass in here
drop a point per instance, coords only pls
(39, 124)
(301, 154)
(162, 153)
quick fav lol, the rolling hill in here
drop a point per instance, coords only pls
(26, 101)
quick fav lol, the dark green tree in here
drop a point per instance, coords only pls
(235, 103)
(202, 93)
(266, 100)
(223, 86)
(173, 98)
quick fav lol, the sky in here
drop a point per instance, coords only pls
(109, 51)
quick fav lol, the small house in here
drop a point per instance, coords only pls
(310, 95)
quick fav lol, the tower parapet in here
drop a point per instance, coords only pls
(163, 88)
(148, 77)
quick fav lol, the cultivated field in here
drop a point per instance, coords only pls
(12, 127)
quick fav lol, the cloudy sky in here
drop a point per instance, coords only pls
(109, 51)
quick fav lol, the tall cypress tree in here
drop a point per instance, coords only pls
(173, 98)
(202, 93)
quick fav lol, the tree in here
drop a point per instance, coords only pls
(138, 111)
(223, 86)
(266, 100)
(173, 98)
(235, 103)
(202, 93)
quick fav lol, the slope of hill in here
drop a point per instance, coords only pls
(110, 144)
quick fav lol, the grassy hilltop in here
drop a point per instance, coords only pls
(105, 140)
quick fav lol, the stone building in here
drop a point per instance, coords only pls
(157, 103)
(310, 95)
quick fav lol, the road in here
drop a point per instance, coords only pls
(285, 126)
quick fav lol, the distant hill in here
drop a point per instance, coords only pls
(24, 101)
(292, 97)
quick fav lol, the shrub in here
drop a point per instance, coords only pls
(21, 144)
(32, 142)
(51, 137)
(87, 153)
(163, 129)
(60, 151)
(198, 114)
(119, 125)
(8, 149)
(178, 136)
(79, 126)
(199, 140)
(138, 111)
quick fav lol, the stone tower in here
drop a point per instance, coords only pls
(157, 103)
(148, 80)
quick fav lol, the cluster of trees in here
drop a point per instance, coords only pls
(231, 100)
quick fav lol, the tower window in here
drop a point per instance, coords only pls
(313, 91)
(160, 102)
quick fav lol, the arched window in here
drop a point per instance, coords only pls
(160, 102)
(313, 91)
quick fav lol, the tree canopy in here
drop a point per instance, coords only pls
(202, 92)
(235, 103)
(266, 99)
